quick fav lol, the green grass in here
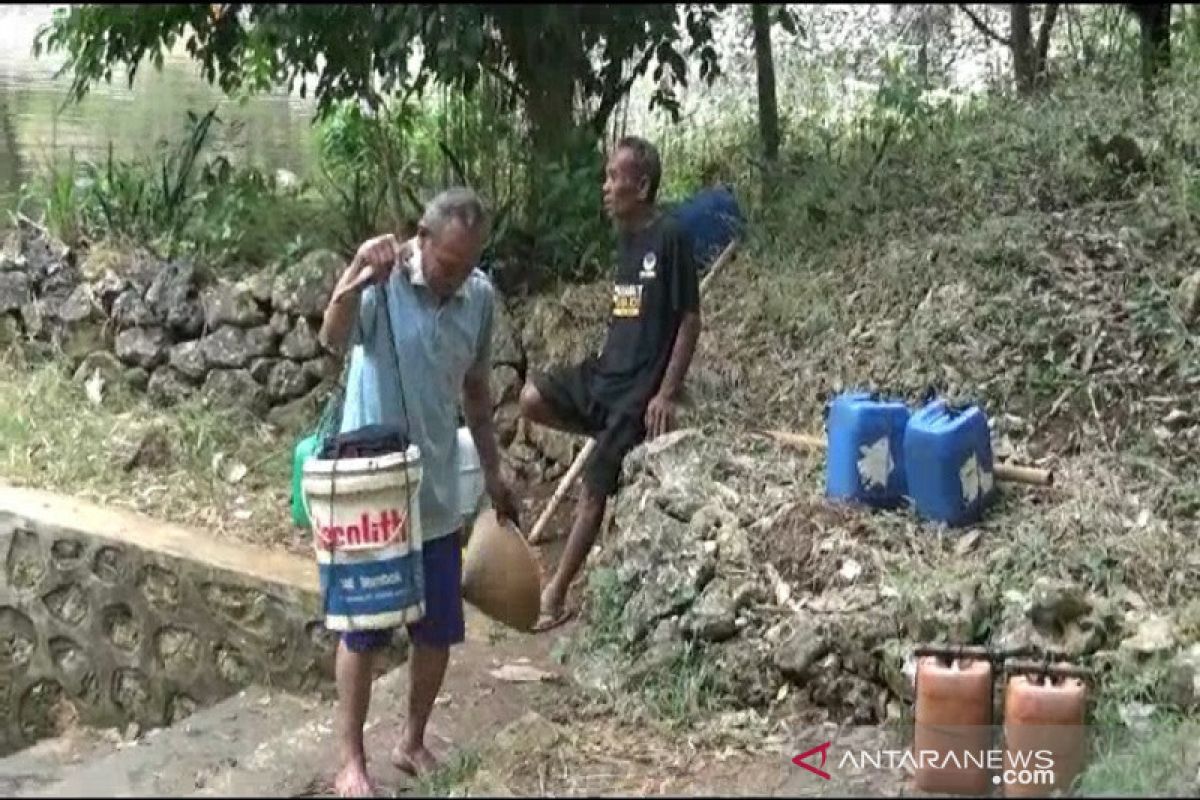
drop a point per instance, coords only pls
(52, 437)
(685, 691)
(460, 769)
(1161, 762)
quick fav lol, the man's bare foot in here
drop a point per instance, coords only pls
(418, 763)
(352, 781)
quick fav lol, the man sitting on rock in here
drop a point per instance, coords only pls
(630, 391)
(441, 310)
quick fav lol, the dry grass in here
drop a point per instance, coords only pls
(1060, 325)
(52, 437)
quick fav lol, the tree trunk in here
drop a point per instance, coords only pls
(1043, 41)
(544, 63)
(768, 108)
(1021, 43)
(923, 47)
(1155, 22)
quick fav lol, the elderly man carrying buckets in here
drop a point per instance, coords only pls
(440, 309)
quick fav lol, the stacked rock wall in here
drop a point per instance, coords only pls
(167, 328)
(172, 330)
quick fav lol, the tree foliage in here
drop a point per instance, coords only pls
(371, 52)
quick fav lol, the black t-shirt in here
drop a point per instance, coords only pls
(654, 286)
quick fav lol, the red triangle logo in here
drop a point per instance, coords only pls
(800, 762)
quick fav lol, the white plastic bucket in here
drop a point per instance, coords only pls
(366, 522)
(470, 475)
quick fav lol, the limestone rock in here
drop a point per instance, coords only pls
(714, 617)
(324, 368)
(129, 310)
(262, 341)
(15, 291)
(187, 358)
(187, 319)
(1187, 298)
(166, 388)
(564, 329)
(507, 349)
(60, 281)
(80, 305)
(800, 652)
(108, 288)
(304, 288)
(82, 338)
(44, 255)
(681, 570)
(109, 366)
(745, 672)
(142, 347)
(11, 257)
(556, 446)
(10, 330)
(137, 378)
(174, 283)
(287, 380)
(1185, 679)
(301, 414)
(232, 347)
(506, 419)
(260, 369)
(1054, 604)
(103, 258)
(173, 297)
(259, 285)
(1153, 635)
(300, 344)
(229, 304)
(234, 388)
(280, 323)
(505, 385)
(149, 449)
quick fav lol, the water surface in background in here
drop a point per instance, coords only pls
(270, 131)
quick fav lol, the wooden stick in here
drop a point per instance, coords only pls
(1015, 473)
(1007, 473)
(564, 485)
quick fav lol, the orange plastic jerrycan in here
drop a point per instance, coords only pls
(1044, 734)
(952, 730)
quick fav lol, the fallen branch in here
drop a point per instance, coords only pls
(1006, 473)
(564, 485)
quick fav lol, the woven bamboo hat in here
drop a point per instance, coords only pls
(500, 574)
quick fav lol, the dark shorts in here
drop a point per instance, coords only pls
(617, 429)
(443, 624)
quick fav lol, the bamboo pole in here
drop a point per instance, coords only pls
(1007, 473)
(564, 485)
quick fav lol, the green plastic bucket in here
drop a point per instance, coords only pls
(306, 448)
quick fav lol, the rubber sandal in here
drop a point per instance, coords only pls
(548, 622)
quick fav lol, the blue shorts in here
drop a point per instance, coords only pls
(443, 624)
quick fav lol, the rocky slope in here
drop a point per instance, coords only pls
(723, 544)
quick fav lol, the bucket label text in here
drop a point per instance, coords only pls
(386, 527)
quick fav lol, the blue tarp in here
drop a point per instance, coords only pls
(712, 219)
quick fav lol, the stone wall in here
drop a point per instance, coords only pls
(168, 328)
(172, 330)
(115, 626)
